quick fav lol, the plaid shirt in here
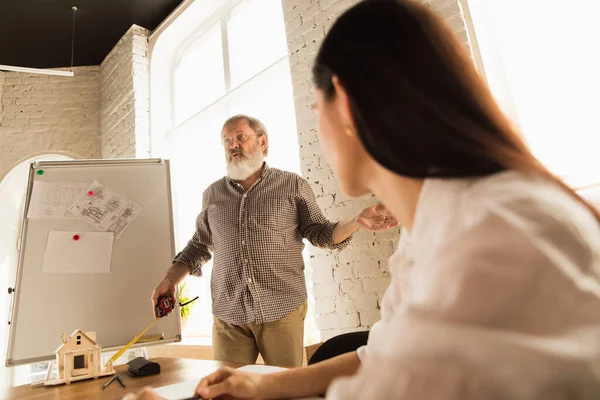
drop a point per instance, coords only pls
(256, 239)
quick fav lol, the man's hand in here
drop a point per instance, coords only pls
(376, 219)
(165, 288)
(230, 383)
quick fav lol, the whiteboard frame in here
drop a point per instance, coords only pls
(13, 311)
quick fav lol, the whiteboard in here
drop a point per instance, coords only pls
(115, 304)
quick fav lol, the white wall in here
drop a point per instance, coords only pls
(42, 114)
(103, 111)
(125, 100)
(348, 285)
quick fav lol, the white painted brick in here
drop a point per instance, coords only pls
(325, 335)
(294, 24)
(366, 269)
(350, 320)
(391, 234)
(325, 201)
(356, 256)
(337, 321)
(376, 285)
(45, 114)
(328, 334)
(322, 275)
(325, 289)
(125, 97)
(384, 268)
(330, 185)
(326, 260)
(343, 272)
(369, 317)
(383, 248)
(351, 287)
(344, 305)
(365, 302)
(362, 238)
(327, 321)
(324, 305)
(361, 269)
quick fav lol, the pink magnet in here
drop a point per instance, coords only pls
(75, 237)
(91, 193)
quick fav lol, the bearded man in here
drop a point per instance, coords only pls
(253, 221)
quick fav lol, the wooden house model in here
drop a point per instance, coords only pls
(78, 358)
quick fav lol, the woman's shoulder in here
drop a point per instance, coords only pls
(537, 212)
(528, 202)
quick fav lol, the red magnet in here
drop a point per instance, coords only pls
(75, 237)
(91, 193)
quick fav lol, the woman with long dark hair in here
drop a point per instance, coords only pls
(495, 289)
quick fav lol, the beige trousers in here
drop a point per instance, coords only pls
(280, 343)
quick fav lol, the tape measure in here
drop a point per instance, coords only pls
(164, 305)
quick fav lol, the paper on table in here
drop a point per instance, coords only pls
(106, 209)
(52, 200)
(90, 253)
(186, 389)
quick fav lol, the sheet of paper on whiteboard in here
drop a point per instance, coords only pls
(78, 252)
(186, 389)
(52, 200)
(105, 209)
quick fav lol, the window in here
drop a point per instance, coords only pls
(79, 361)
(541, 61)
(234, 61)
(198, 76)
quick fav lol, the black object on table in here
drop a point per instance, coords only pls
(143, 367)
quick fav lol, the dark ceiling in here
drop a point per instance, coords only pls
(37, 33)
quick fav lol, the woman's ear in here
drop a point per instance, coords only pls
(342, 102)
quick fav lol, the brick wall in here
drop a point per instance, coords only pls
(348, 286)
(42, 114)
(103, 111)
(125, 104)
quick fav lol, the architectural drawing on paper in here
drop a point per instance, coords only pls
(106, 210)
(94, 213)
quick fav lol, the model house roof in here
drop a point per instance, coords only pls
(77, 332)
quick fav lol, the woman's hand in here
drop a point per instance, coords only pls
(231, 383)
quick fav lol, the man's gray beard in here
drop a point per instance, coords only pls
(239, 170)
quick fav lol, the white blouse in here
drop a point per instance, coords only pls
(495, 295)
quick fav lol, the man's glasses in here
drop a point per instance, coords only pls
(240, 138)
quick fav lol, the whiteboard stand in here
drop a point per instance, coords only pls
(113, 303)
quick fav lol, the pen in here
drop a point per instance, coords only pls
(120, 380)
(109, 381)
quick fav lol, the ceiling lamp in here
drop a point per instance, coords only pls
(46, 71)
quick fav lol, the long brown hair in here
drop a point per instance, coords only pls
(419, 105)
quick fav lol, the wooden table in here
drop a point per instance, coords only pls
(172, 370)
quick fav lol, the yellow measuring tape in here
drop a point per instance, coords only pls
(161, 311)
(128, 345)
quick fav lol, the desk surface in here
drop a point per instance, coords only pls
(172, 370)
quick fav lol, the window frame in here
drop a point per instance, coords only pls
(222, 17)
(168, 125)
